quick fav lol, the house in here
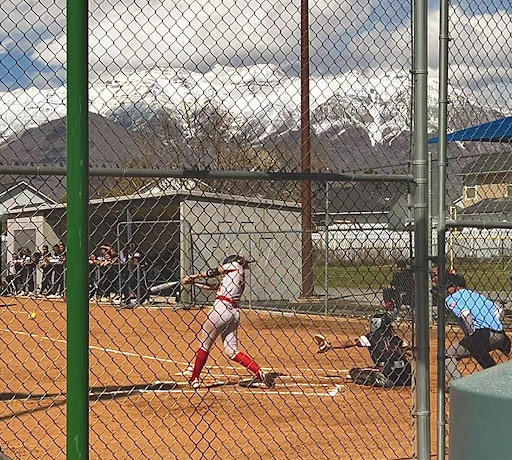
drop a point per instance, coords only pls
(487, 188)
(487, 181)
(19, 195)
(15, 197)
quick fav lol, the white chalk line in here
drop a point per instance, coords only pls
(329, 393)
(281, 377)
(167, 360)
(93, 347)
(28, 311)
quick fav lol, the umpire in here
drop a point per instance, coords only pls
(479, 318)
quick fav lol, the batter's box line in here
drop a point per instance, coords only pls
(257, 391)
(119, 391)
(298, 380)
(155, 358)
(315, 372)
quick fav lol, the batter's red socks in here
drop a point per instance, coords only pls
(201, 358)
(247, 362)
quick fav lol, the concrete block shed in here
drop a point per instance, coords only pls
(195, 227)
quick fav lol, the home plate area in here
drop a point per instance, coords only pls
(113, 391)
(168, 386)
(255, 382)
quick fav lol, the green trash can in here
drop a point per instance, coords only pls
(481, 415)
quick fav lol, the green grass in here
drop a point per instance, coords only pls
(480, 276)
(486, 276)
(355, 276)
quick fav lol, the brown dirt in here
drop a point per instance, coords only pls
(313, 412)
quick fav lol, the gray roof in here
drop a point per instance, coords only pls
(8, 190)
(176, 195)
(358, 198)
(7, 186)
(497, 206)
(499, 162)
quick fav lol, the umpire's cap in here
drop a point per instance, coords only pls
(455, 280)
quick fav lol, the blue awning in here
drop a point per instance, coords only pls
(494, 131)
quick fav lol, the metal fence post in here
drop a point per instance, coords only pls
(441, 226)
(327, 222)
(77, 445)
(305, 161)
(139, 279)
(186, 258)
(421, 226)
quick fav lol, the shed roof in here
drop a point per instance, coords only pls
(8, 190)
(175, 195)
(490, 163)
(358, 198)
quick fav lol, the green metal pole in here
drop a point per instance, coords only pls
(420, 172)
(77, 446)
(441, 226)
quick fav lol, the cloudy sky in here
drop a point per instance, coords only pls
(346, 35)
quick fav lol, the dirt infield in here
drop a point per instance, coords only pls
(313, 412)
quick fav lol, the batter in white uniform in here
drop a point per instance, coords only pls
(224, 318)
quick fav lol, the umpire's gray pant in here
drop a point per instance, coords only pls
(456, 352)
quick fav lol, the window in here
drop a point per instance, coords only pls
(470, 193)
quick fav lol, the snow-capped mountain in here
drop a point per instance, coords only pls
(258, 103)
(237, 118)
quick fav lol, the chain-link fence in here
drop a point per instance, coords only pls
(143, 344)
(202, 116)
(473, 175)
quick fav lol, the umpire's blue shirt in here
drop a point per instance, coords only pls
(485, 313)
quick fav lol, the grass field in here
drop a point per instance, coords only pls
(480, 275)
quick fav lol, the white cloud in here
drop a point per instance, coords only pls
(127, 35)
(201, 33)
(25, 22)
(480, 47)
(479, 52)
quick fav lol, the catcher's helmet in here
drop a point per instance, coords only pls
(378, 321)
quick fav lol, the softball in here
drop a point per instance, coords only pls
(32, 315)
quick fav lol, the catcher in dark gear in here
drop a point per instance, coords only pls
(389, 355)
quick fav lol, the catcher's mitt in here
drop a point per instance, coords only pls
(322, 342)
